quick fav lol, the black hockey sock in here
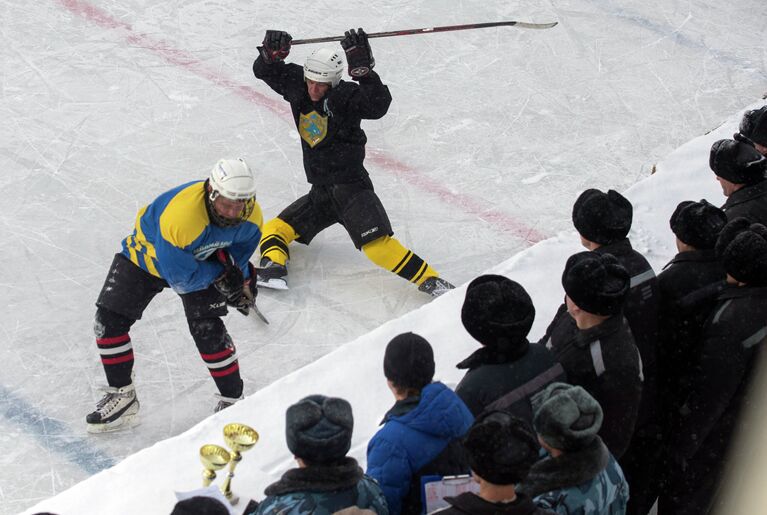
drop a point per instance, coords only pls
(117, 358)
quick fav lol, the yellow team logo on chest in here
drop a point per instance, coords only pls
(312, 127)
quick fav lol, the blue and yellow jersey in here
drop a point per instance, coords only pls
(174, 237)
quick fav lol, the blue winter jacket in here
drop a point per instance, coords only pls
(409, 441)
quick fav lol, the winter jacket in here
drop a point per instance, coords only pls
(332, 141)
(471, 504)
(641, 312)
(174, 237)
(322, 490)
(748, 201)
(683, 313)
(506, 380)
(584, 482)
(605, 362)
(733, 337)
(414, 433)
(641, 308)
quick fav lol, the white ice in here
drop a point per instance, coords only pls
(491, 136)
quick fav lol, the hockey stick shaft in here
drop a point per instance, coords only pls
(429, 30)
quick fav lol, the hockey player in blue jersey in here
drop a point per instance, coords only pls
(197, 239)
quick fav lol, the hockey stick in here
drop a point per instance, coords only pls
(253, 309)
(429, 30)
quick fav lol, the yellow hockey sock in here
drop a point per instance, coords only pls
(389, 253)
(275, 240)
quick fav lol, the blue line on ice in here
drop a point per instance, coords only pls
(53, 435)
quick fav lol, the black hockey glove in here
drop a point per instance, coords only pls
(246, 299)
(240, 293)
(231, 281)
(276, 46)
(359, 56)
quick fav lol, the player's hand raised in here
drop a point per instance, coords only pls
(276, 46)
(359, 56)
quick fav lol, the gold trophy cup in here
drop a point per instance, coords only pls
(213, 458)
(239, 438)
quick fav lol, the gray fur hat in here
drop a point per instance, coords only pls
(318, 429)
(567, 417)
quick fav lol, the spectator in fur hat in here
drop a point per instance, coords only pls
(689, 285)
(741, 246)
(741, 170)
(507, 370)
(318, 430)
(603, 221)
(733, 339)
(578, 475)
(753, 128)
(601, 355)
(501, 449)
(421, 432)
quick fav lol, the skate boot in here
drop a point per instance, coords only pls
(272, 275)
(118, 409)
(225, 402)
(435, 286)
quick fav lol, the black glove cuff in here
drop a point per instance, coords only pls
(265, 55)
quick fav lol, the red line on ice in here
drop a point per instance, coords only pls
(188, 61)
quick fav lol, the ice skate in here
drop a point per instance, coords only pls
(225, 402)
(435, 286)
(272, 275)
(118, 409)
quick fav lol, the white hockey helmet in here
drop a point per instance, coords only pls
(324, 65)
(233, 179)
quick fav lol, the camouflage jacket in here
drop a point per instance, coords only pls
(584, 482)
(322, 490)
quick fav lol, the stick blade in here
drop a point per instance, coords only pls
(526, 25)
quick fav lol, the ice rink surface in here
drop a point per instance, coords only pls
(491, 135)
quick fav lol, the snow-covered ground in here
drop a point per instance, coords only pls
(491, 136)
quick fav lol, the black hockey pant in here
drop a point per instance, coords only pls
(127, 292)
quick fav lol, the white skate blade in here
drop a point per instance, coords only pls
(274, 284)
(124, 422)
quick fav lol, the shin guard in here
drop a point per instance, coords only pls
(219, 354)
(114, 345)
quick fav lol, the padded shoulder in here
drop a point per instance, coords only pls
(185, 217)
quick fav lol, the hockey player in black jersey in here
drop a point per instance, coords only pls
(327, 112)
